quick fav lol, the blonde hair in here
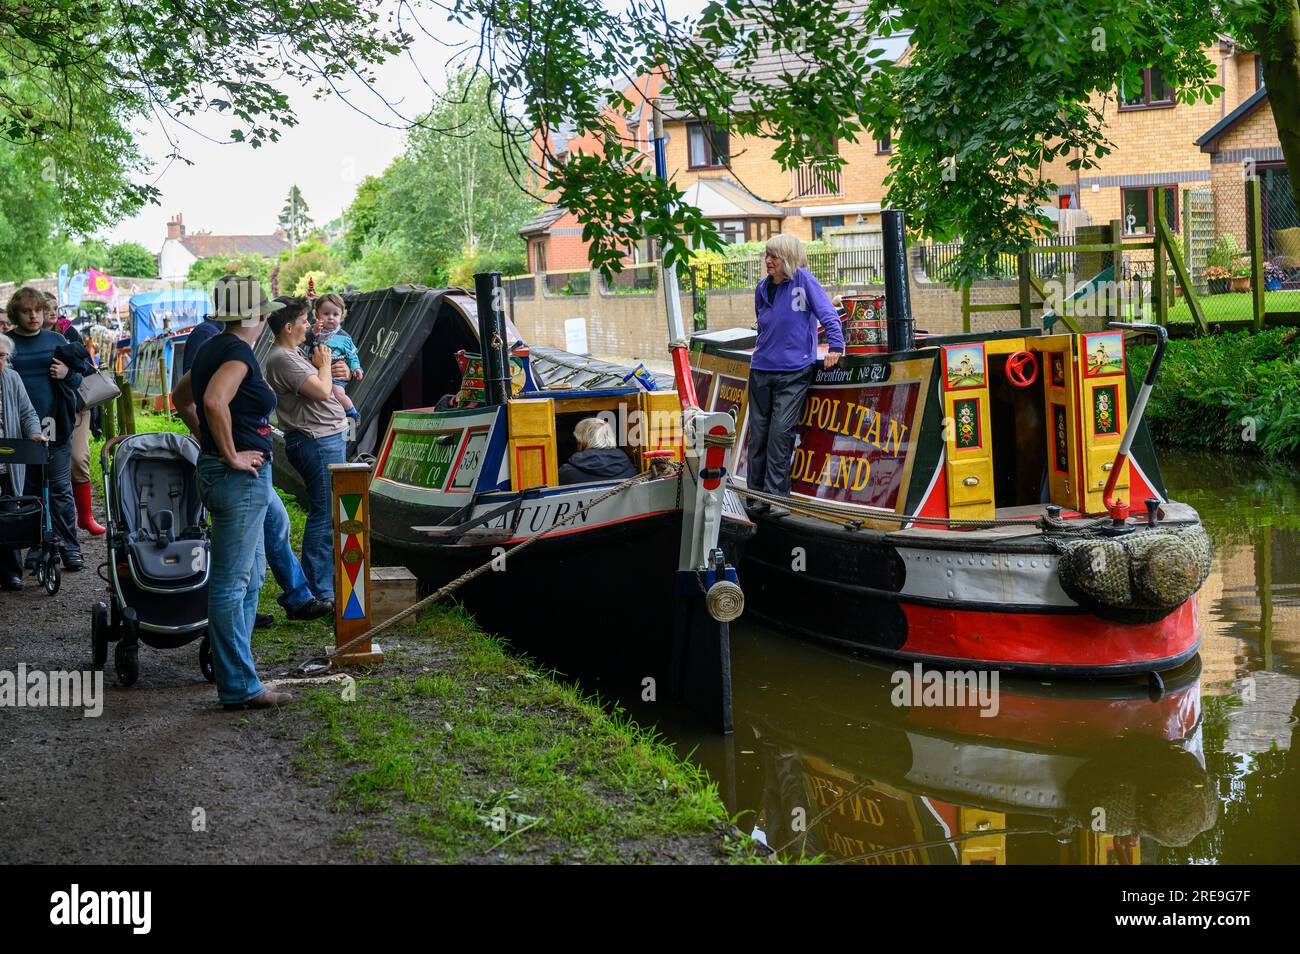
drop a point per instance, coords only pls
(790, 251)
(593, 432)
(333, 299)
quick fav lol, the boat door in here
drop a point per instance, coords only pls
(966, 432)
(1060, 396)
(1104, 407)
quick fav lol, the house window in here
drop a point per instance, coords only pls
(1152, 91)
(732, 231)
(1139, 209)
(825, 222)
(539, 256)
(885, 144)
(709, 147)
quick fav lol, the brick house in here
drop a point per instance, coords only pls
(1243, 143)
(554, 237)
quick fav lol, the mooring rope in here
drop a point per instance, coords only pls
(823, 512)
(658, 469)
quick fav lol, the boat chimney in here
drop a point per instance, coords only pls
(492, 337)
(899, 328)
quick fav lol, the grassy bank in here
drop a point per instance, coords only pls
(455, 750)
(1235, 392)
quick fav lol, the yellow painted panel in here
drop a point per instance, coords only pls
(1063, 484)
(661, 426)
(969, 470)
(990, 850)
(1105, 408)
(532, 443)
(970, 482)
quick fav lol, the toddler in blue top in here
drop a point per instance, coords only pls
(330, 313)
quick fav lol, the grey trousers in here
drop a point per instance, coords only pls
(63, 511)
(776, 401)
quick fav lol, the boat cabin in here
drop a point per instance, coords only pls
(964, 427)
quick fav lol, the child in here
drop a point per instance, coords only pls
(329, 318)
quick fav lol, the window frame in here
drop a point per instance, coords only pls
(539, 256)
(1147, 102)
(885, 147)
(1151, 190)
(814, 219)
(710, 134)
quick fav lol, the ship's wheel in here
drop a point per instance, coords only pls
(1022, 369)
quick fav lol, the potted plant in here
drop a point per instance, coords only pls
(1216, 279)
(1240, 280)
(1273, 274)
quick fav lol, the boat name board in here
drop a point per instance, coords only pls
(853, 443)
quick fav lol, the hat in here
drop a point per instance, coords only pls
(240, 298)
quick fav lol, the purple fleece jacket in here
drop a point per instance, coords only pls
(787, 328)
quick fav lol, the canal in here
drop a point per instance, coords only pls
(823, 762)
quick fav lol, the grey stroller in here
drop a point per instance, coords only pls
(158, 551)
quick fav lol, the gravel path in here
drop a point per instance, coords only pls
(124, 787)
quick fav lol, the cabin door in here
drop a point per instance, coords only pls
(1104, 409)
(1059, 368)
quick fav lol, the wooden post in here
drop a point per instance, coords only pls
(125, 407)
(965, 308)
(350, 500)
(1255, 240)
(1026, 302)
(108, 420)
(1159, 289)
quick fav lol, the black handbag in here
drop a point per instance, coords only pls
(20, 522)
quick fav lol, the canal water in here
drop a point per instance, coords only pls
(823, 763)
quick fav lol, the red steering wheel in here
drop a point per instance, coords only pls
(1022, 369)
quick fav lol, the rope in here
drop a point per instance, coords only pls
(812, 510)
(658, 469)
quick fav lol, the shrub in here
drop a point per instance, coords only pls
(131, 260)
(1223, 251)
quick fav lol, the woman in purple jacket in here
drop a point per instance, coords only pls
(789, 304)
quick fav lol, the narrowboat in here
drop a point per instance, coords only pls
(972, 500)
(628, 584)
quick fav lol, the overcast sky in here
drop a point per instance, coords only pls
(235, 189)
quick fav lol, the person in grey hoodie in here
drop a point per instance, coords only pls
(17, 419)
(598, 456)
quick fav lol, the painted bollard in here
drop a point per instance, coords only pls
(350, 496)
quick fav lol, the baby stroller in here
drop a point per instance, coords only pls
(158, 550)
(25, 522)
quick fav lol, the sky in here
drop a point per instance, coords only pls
(233, 189)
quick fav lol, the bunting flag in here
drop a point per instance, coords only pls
(76, 288)
(97, 283)
(63, 285)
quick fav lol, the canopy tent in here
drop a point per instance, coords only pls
(185, 307)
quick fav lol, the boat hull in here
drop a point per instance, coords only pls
(961, 603)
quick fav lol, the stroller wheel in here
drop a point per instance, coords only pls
(205, 659)
(53, 576)
(126, 660)
(99, 635)
(40, 570)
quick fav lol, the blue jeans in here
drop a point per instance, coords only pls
(311, 457)
(279, 554)
(237, 502)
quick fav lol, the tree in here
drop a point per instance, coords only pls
(294, 218)
(449, 194)
(207, 270)
(130, 260)
(76, 75)
(992, 91)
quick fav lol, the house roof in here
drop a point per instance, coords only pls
(543, 222)
(217, 246)
(768, 65)
(1209, 141)
(723, 199)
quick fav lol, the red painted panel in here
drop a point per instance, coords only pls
(1046, 639)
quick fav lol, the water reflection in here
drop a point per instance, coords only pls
(822, 763)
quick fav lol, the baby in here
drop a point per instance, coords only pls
(329, 320)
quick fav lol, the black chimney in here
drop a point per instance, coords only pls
(492, 337)
(899, 329)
